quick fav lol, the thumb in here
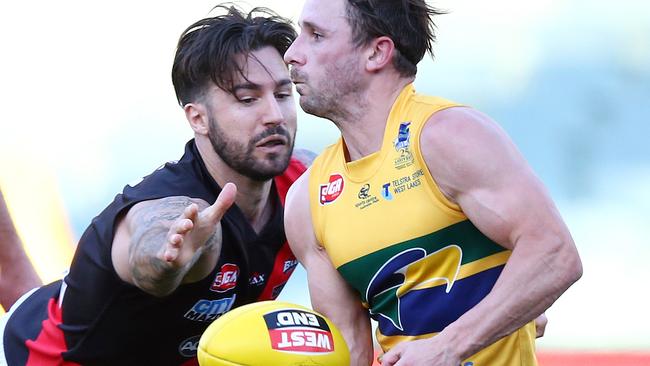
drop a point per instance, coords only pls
(389, 358)
(225, 199)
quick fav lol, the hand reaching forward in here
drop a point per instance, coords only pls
(193, 229)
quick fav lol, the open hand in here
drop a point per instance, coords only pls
(194, 228)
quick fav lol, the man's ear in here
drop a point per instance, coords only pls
(381, 51)
(197, 116)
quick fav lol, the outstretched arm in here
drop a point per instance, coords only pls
(477, 166)
(162, 243)
(17, 275)
(330, 294)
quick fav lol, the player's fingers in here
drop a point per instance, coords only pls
(191, 211)
(173, 248)
(181, 226)
(225, 199)
(389, 358)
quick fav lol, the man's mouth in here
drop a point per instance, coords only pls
(272, 141)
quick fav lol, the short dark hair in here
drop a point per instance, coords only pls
(408, 23)
(207, 49)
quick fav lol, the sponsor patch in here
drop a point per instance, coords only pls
(366, 199)
(226, 279)
(257, 279)
(209, 310)
(385, 192)
(332, 190)
(407, 182)
(188, 347)
(299, 332)
(364, 192)
(289, 265)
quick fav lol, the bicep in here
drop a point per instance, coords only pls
(299, 228)
(325, 283)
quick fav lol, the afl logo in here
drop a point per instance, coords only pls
(331, 191)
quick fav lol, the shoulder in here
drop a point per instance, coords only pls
(297, 217)
(298, 194)
(461, 122)
(462, 146)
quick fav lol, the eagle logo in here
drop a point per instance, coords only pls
(410, 270)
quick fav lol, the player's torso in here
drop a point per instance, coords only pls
(104, 321)
(416, 261)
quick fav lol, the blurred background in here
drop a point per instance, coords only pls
(87, 105)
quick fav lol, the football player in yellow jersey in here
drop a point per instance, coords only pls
(354, 63)
(17, 275)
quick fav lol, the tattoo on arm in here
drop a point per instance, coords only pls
(150, 224)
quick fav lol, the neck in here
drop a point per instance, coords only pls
(253, 197)
(363, 126)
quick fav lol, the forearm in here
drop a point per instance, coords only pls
(530, 282)
(149, 271)
(349, 316)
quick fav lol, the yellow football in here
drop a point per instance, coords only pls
(272, 333)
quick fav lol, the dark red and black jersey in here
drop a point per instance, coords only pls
(104, 321)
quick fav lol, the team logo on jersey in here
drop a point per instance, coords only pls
(289, 265)
(226, 279)
(299, 331)
(188, 347)
(332, 190)
(385, 192)
(402, 144)
(256, 279)
(407, 272)
(209, 310)
(403, 136)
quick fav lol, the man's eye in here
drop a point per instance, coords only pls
(317, 36)
(246, 100)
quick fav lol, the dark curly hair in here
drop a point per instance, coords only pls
(207, 50)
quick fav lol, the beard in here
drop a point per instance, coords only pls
(341, 83)
(241, 157)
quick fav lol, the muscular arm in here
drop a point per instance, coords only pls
(162, 243)
(476, 165)
(330, 294)
(17, 274)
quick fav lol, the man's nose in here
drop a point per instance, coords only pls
(294, 56)
(272, 112)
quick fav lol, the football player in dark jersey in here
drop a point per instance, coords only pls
(196, 237)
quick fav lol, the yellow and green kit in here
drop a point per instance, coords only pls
(415, 259)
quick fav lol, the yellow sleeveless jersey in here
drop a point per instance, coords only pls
(415, 259)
